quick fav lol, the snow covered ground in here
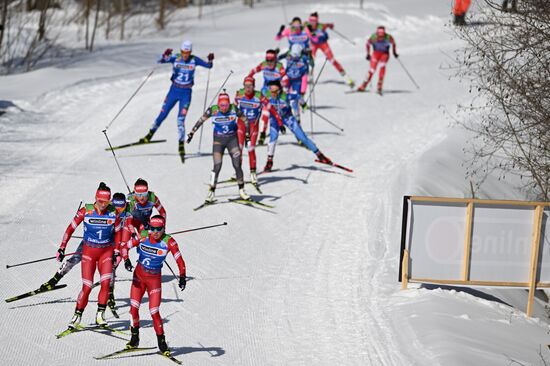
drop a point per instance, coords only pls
(315, 282)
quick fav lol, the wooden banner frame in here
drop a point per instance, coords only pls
(531, 285)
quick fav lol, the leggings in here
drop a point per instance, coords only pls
(241, 134)
(76, 258)
(296, 129)
(325, 48)
(150, 282)
(92, 258)
(231, 143)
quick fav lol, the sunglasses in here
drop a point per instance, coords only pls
(142, 195)
(248, 85)
(156, 229)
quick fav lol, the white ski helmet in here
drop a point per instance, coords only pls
(187, 46)
(296, 50)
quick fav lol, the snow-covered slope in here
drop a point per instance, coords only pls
(313, 283)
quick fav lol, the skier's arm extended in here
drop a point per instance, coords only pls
(199, 123)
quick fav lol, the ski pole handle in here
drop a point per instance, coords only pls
(36, 261)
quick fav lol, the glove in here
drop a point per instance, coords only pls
(190, 136)
(281, 29)
(330, 25)
(182, 283)
(167, 52)
(116, 254)
(210, 57)
(395, 55)
(60, 254)
(283, 129)
(368, 57)
(247, 136)
(303, 104)
(277, 50)
(310, 27)
(128, 265)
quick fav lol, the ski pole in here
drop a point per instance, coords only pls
(344, 37)
(219, 90)
(408, 74)
(131, 97)
(327, 120)
(204, 107)
(171, 270)
(316, 80)
(181, 231)
(116, 161)
(37, 260)
(196, 229)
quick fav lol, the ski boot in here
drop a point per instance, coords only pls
(163, 347)
(75, 321)
(181, 151)
(362, 87)
(349, 80)
(134, 341)
(253, 177)
(210, 198)
(269, 164)
(261, 140)
(379, 89)
(147, 137)
(323, 159)
(51, 282)
(100, 315)
(243, 194)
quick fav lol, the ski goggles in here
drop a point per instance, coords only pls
(141, 194)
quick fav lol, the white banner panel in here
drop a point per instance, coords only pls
(436, 236)
(475, 242)
(544, 257)
(502, 239)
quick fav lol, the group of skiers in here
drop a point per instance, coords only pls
(114, 224)
(277, 105)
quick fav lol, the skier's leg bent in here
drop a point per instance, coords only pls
(169, 101)
(300, 134)
(184, 103)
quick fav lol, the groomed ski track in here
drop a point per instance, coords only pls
(312, 284)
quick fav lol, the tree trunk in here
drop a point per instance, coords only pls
(160, 20)
(3, 24)
(109, 14)
(87, 4)
(200, 9)
(122, 13)
(42, 21)
(98, 5)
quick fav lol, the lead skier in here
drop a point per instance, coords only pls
(183, 79)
